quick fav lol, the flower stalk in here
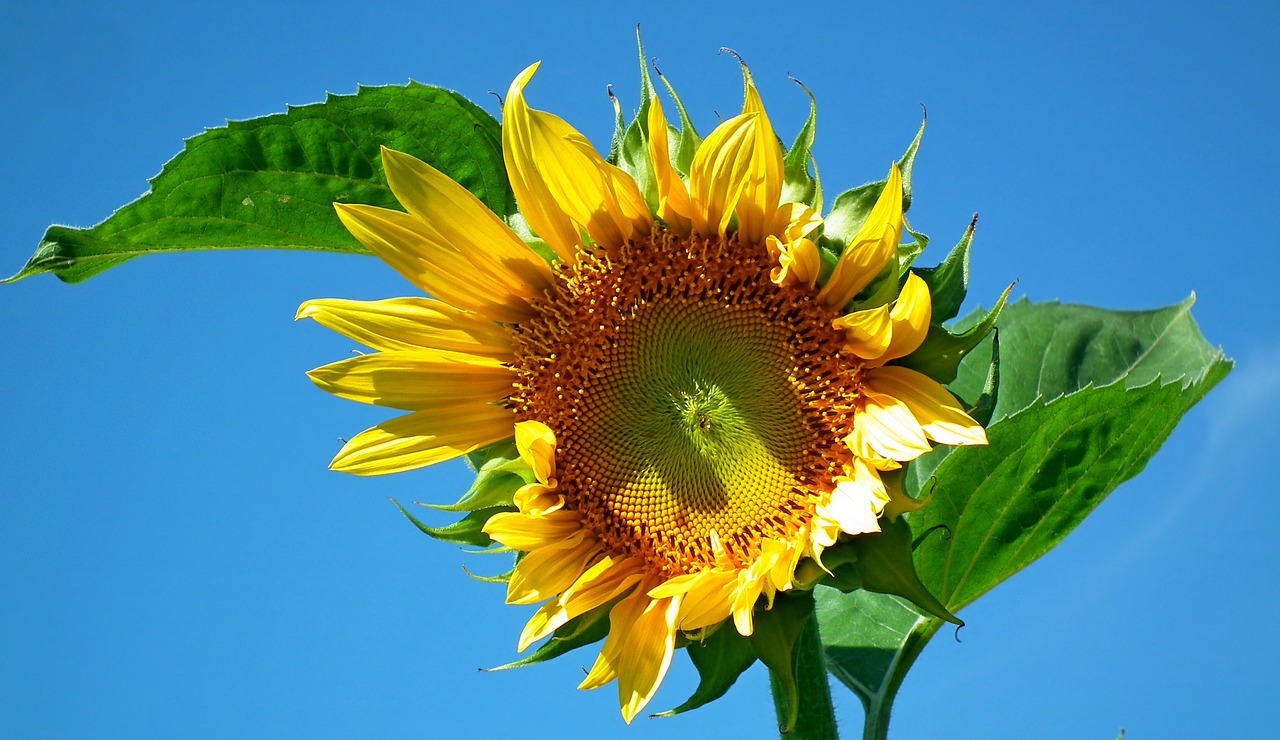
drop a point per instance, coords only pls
(815, 717)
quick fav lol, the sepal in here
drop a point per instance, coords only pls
(949, 281)
(884, 561)
(465, 531)
(798, 186)
(720, 657)
(584, 630)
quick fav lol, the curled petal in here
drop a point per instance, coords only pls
(858, 499)
(867, 333)
(798, 261)
(537, 445)
(536, 499)
(911, 314)
(528, 533)
(885, 427)
(795, 221)
(937, 412)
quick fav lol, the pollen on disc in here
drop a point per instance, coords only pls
(688, 393)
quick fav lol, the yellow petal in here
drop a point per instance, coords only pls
(911, 314)
(547, 571)
(720, 171)
(763, 189)
(423, 438)
(868, 333)
(416, 380)
(527, 533)
(870, 249)
(562, 184)
(936, 410)
(410, 323)
(637, 651)
(886, 427)
(466, 223)
(751, 583)
(418, 252)
(537, 445)
(674, 206)
(858, 499)
(603, 582)
(707, 596)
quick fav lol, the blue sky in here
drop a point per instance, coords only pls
(176, 560)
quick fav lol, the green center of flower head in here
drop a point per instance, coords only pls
(689, 396)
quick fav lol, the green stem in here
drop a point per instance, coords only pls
(816, 718)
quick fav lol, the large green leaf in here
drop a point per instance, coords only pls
(271, 182)
(1087, 397)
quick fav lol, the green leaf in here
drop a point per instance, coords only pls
(865, 653)
(1087, 397)
(720, 658)
(1052, 349)
(271, 182)
(500, 472)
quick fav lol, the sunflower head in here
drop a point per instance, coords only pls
(685, 391)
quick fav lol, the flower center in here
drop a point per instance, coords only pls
(693, 400)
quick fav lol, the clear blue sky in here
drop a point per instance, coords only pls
(175, 559)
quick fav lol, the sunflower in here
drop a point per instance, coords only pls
(700, 402)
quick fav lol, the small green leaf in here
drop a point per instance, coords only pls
(798, 185)
(584, 630)
(720, 658)
(495, 486)
(465, 531)
(949, 282)
(863, 652)
(271, 182)
(502, 450)
(689, 140)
